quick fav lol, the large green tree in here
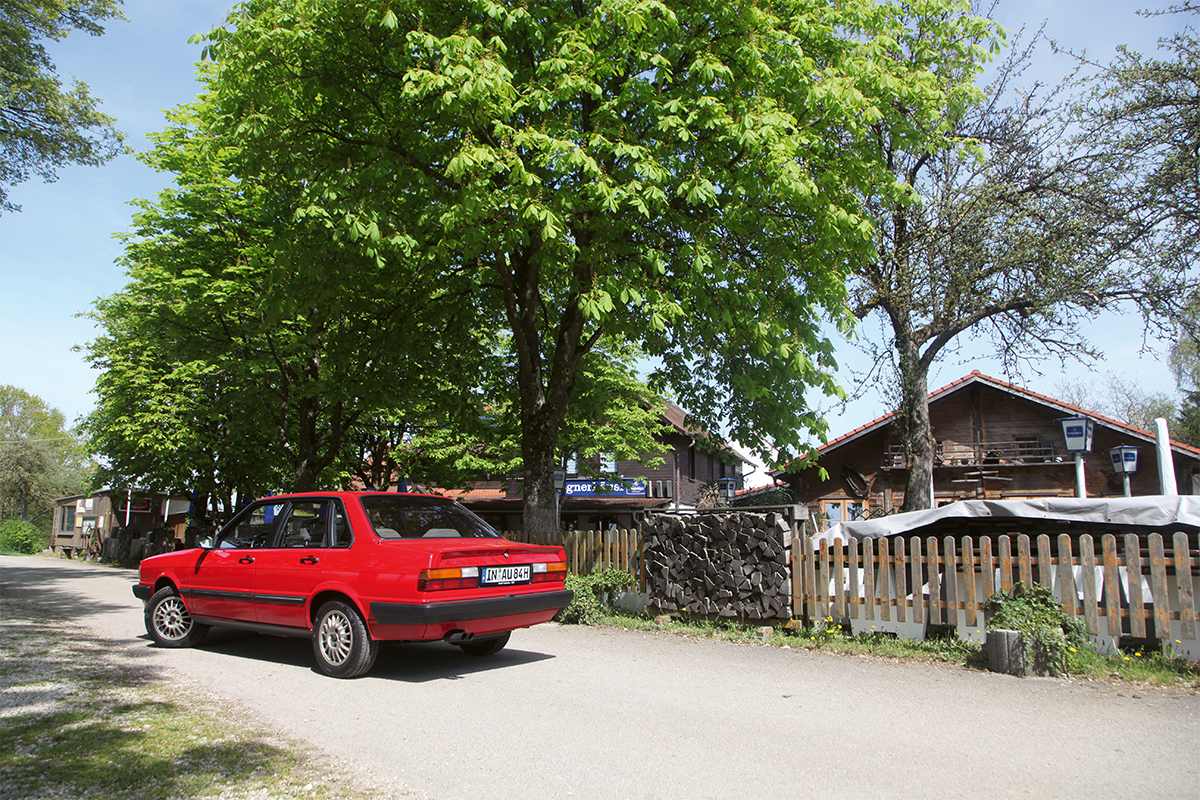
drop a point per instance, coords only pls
(40, 458)
(44, 126)
(245, 347)
(1011, 230)
(682, 174)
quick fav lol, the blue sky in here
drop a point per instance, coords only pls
(57, 256)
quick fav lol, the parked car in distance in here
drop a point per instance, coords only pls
(352, 569)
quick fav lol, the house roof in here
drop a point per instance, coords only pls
(977, 377)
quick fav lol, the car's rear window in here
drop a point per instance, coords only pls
(405, 517)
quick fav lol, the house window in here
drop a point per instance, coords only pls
(68, 518)
(1028, 446)
(842, 511)
(608, 463)
(572, 464)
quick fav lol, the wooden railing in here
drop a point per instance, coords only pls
(952, 454)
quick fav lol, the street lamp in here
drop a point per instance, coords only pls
(1077, 431)
(1125, 463)
(727, 488)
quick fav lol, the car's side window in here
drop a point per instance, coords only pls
(307, 524)
(341, 529)
(252, 529)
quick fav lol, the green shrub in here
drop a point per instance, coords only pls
(585, 608)
(21, 537)
(1051, 637)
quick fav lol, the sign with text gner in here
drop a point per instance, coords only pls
(579, 488)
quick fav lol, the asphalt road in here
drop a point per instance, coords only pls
(567, 711)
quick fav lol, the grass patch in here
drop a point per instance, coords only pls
(79, 718)
(1137, 666)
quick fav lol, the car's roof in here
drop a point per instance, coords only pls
(354, 493)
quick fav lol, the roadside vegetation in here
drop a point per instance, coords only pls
(80, 718)
(1138, 666)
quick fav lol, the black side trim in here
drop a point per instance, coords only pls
(188, 592)
(142, 591)
(279, 599)
(433, 613)
(257, 627)
(275, 599)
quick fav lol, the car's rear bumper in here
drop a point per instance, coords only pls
(467, 610)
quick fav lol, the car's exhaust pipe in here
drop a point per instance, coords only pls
(457, 637)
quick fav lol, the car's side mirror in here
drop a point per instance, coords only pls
(206, 543)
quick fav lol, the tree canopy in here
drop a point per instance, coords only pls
(40, 459)
(44, 126)
(686, 176)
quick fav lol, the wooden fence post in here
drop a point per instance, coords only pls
(1186, 588)
(885, 579)
(935, 589)
(1158, 587)
(1112, 585)
(1133, 575)
(972, 600)
(1024, 561)
(1066, 575)
(901, 571)
(951, 582)
(1087, 564)
(918, 580)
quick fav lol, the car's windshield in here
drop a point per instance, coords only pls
(407, 517)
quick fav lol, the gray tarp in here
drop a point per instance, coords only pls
(1152, 511)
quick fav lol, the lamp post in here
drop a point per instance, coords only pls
(560, 481)
(1125, 463)
(1077, 431)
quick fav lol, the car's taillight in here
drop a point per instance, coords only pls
(549, 572)
(432, 580)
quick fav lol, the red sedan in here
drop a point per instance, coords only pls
(351, 569)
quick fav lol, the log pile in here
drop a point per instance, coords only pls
(731, 565)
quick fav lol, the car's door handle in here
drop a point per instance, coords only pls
(309, 560)
(246, 560)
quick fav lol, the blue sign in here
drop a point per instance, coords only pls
(637, 488)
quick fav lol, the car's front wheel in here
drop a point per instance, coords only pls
(169, 623)
(486, 648)
(341, 643)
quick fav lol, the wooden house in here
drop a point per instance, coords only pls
(613, 493)
(994, 441)
(78, 516)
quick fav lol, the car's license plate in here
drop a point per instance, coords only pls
(505, 576)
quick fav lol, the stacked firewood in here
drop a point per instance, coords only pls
(732, 565)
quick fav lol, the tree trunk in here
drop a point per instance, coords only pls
(913, 426)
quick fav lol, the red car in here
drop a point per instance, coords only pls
(352, 569)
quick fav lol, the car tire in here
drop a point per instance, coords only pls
(486, 648)
(341, 643)
(169, 623)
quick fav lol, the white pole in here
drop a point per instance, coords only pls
(1166, 467)
(128, 504)
(1080, 479)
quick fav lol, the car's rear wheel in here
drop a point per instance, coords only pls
(341, 643)
(169, 623)
(486, 648)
